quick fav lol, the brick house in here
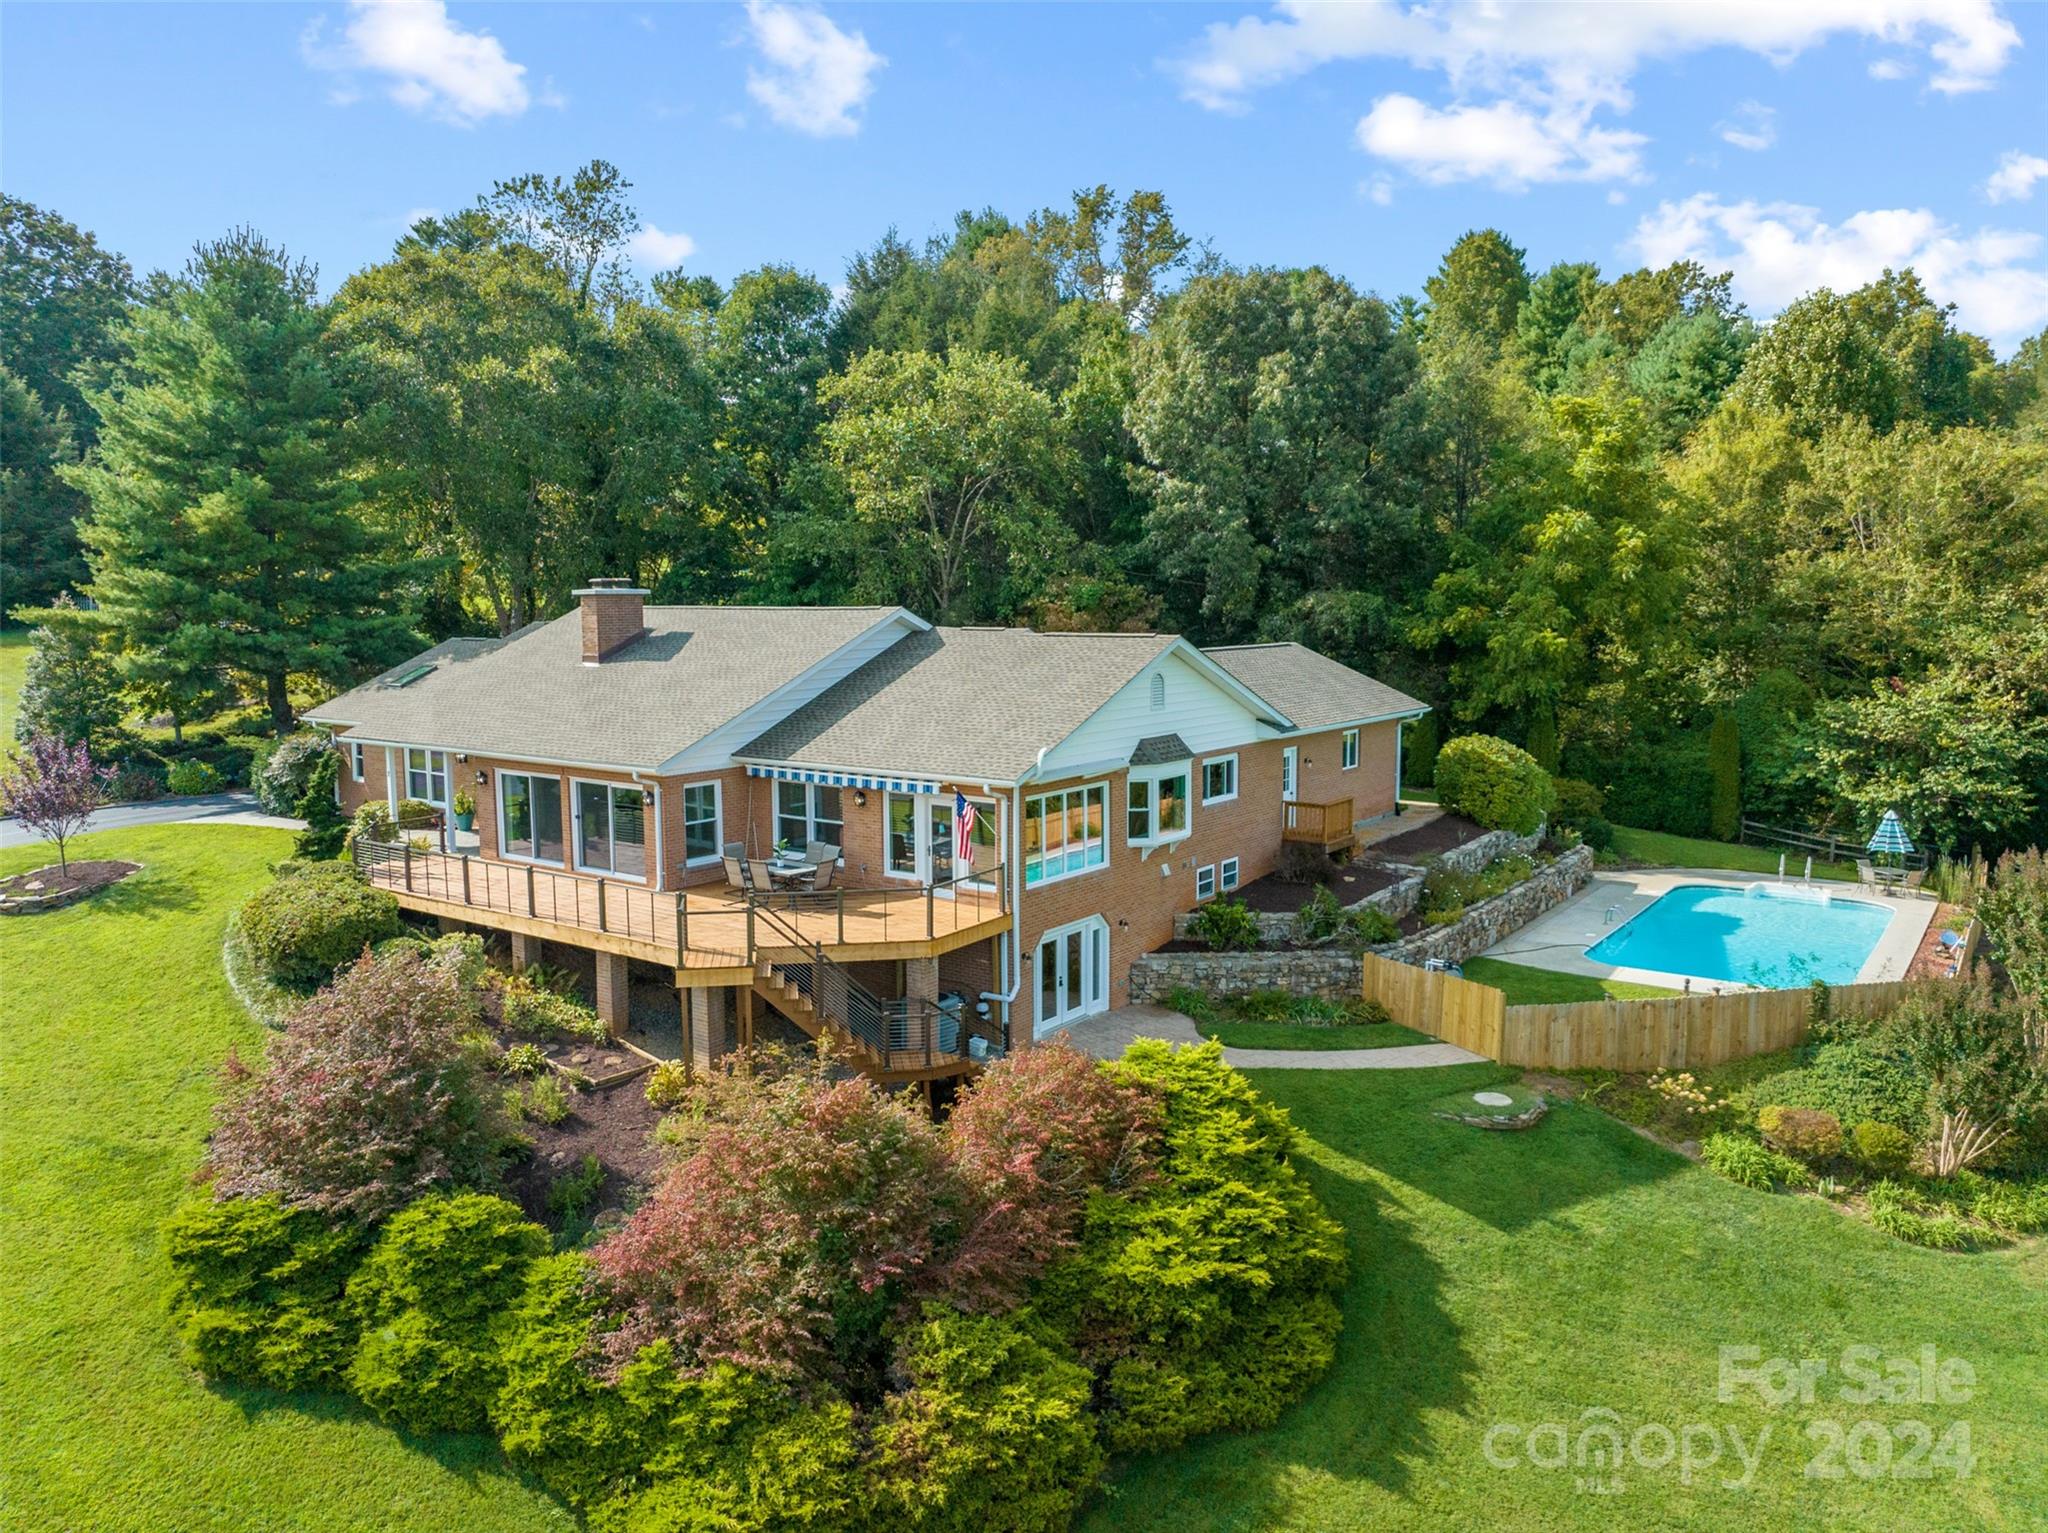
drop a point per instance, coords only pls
(626, 762)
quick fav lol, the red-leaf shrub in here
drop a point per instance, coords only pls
(793, 1227)
(368, 1099)
(1032, 1139)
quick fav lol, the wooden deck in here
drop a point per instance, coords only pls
(709, 932)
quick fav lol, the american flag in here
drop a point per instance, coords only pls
(963, 829)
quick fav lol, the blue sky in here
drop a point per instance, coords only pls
(1797, 143)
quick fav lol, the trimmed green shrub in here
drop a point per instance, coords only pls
(1752, 1165)
(189, 777)
(256, 1290)
(1493, 783)
(1881, 1147)
(1224, 926)
(524, 1059)
(1576, 801)
(584, 1439)
(1855, 1083)
(1724, 768)
(427, 1298)
(993, 1432)
(1596, 833)
(318, 806)
(1807, 1133)
(1204, 1300)
(741, 1454)
(313, 918)
(372, 822)
(1419, 751)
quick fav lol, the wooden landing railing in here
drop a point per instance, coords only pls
(1317, 824)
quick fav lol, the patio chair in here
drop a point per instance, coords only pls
(1866, 875)
(822, 879)
(736, 874)
(821, 853)
(759, 877)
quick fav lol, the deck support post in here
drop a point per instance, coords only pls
(613, 991)
(525, 950)
(705, 1011)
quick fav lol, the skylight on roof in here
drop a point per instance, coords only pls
(408, 677)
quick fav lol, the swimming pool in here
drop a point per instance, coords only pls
(1761, 935)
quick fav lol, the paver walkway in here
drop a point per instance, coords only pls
(1107, 1036)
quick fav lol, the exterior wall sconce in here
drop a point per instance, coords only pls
(482, 777)
(860, 797)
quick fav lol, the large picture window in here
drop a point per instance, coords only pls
(530, 816)
(807, 812)
(1064, 833)
(611, 829)
(700, 823)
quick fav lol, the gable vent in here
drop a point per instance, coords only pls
(1158, 690)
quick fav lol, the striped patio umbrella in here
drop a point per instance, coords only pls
(1890, 836)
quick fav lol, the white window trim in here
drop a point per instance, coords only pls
(1023, 862)
(1221, 798)
(504, 841)
(1227, 875)
(573, 831)
(917, 822)
(1348, 751)
(811, 814)
(355, 760)
(447, 775)
(1155, 775)
(717, 819)
(1206, 871)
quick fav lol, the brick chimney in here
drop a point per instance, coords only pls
(613, 616)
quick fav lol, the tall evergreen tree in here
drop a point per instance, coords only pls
(224, 530)
(70, 690)
(38, 511)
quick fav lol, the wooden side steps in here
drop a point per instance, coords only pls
(782, 994)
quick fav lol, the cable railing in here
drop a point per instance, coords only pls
(911, 913)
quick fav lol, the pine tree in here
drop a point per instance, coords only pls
(70, 690)
(224, 531)
(1724, 764)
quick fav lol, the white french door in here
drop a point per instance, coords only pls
(1290, 772)
(1071, 973)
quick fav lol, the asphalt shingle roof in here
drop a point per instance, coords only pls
(530, 695)
(961, 703)
(1156, 750)
(1311, 689)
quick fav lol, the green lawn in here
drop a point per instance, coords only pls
(115, 1017)
(13, 663)
(1653, 846)
(1297, 1035)
(1525, 986)
(1528, 1278)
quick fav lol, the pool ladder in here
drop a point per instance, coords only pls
(1613, 914)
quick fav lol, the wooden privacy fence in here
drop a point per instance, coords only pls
(1680, 1032)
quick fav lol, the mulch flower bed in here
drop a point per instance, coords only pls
(613, 1123)
(1351, 882)
(1439, 835)
(47, 888)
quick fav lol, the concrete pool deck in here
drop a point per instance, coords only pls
(1558, 939)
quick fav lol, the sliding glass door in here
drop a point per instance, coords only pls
(530, 816)
(611, 829)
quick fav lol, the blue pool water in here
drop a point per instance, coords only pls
(1755, 936)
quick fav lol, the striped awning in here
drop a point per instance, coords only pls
(845, 779)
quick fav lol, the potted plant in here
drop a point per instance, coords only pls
(465, 809)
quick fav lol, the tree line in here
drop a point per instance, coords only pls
(1611, 517)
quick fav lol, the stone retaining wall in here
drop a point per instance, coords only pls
(1482, 851)
(1335, 974)
(1325, 972)
(1489, 921)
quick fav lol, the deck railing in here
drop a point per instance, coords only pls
(1824, 844)
(1318, 824)
(907, 913)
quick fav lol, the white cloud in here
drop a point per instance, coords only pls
(817, 77)
(1995, 277)
(429, 64)
(1752, 125)
(1890, 69)
(1505, 143)
(1557, 62)
(657, 248)
(2014, 179)
(1380, 189)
